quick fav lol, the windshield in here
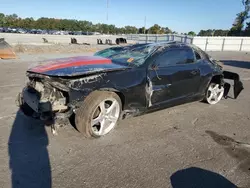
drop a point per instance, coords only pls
(133, 54)
(109, 51)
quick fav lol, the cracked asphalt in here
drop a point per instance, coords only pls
(187, 146)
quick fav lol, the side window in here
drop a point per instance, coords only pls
(175, 57)
(197, 55)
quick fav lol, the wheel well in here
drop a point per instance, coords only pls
(120, 94)
(216, 79)
(122, 97)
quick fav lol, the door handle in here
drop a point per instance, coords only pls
(194, 72)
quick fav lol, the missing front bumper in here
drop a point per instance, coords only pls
(34, 101)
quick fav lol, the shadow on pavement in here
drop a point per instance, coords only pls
(28, 155)
(239, 64)
(196, 177)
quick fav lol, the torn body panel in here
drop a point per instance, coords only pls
(149, 91)
(238, 85)
(130, 83)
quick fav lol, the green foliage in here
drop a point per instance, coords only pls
(238, 25)
(156, 29)
(191, 33)
(213, 32)
(167, 30)
(205, 32)
(142, 30)
(74, 25)
(220, 32)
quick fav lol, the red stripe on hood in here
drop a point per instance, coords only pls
(70, 62)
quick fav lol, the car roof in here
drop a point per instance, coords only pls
(164, 44)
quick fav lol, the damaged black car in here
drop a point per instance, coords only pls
(118, 82)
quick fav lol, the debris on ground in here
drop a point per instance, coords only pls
(194, 121)
(74, 41)
(99, 41)
(120, 41)
(45, 40)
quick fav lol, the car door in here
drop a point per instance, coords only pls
(173, 75)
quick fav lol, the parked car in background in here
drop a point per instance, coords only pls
(22, 31)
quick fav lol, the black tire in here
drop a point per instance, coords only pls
(85, 113)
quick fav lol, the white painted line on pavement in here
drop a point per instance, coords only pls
(8, 116)
(12, 85)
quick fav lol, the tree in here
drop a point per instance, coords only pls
(241, 17)
(205, 33)
(191, 33)
(2, 19)
(130, 30)
(167, 30)
(155, 29)
(238, 24)
(74, 25)
(221, 32)
(247, 30)
(142, 30)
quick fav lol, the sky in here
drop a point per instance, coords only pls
(181, 16)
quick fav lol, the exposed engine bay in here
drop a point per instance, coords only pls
(44, 97)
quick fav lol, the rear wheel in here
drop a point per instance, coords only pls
(99, 114)
(214, 93)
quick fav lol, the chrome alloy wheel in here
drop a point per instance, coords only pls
(105, 117)
(214, 93)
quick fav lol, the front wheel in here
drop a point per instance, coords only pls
(99, 114)
(214, 93)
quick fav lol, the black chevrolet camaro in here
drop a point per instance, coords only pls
(123, 81)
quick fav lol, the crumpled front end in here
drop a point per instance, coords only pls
(44, 97)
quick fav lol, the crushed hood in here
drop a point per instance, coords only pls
(75, 66)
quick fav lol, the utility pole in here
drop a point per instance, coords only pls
(145, 20)
(107, 10)
(108, 13)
